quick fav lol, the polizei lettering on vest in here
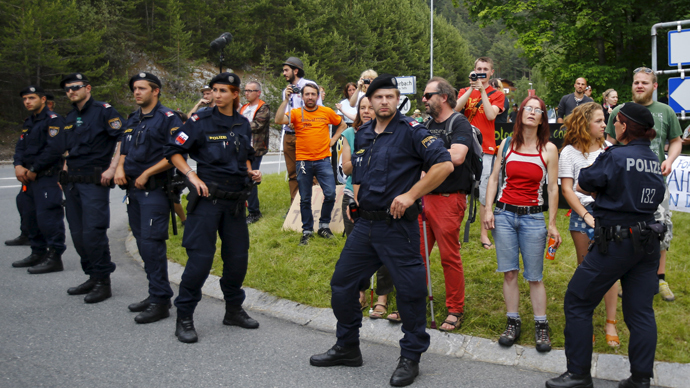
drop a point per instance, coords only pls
(643, 165)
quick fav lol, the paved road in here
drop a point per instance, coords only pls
(51, 339)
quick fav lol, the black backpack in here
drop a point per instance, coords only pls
(473, 161)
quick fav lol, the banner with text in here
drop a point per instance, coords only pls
(679, 185)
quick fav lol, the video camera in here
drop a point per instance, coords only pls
(476, 76)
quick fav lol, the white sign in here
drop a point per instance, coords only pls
(405, 108)
(407, 84)
(678, 182)
(293, 220)
(679, 94)
(679, 48)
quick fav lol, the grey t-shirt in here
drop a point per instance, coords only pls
(568, 103)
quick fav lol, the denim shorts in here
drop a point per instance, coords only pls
(515, 235)
(577, 223)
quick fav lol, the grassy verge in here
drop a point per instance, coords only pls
(302, 274)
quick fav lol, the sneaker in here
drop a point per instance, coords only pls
(512, 332)
(305, 239)
(665, 291)
(253, 217)
(541, 336)
(325, 233)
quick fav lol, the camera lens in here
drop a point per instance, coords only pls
(367, 81)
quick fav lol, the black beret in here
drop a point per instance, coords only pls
(146, 77)
(384, 81)
(225, 79)
(638, 113)
(74, 77)
(50, 97)
(31, 90)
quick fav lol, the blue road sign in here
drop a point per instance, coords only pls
(679, 94)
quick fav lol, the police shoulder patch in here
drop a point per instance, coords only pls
(181, 138)
(106, 105)
(172, 130)
(53, 131)
(194, 117)
(169, 113)
(360, 152)
(414, 123)
(427, 141)
(115, 123)
(52, 115)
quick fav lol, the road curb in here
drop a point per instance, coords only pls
(604, 366)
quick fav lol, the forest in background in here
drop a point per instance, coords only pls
(546, 42)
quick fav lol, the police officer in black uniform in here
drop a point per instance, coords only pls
(37, 162)
(143, 172)
(219, 139)
(387, 159)
(93, 130)
(627, 184)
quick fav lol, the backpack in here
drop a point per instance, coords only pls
(473, 161)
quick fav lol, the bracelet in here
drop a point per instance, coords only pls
(188, 172)
(585, 215)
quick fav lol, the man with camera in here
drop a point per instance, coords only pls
(313, 154)
(481, 103)
(572, 100)
(293, 71)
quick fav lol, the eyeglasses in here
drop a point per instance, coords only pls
(429, 95)
(74, 88)
(250, 91)
(535, 110)
(644, 70)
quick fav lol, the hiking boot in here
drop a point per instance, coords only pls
(304, 241)
(325, 233)
(665, 291)
(541, 336)
(512, 332)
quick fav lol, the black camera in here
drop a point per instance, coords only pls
(220, 42)
(476, 76)
(367, 81)
(296, 89)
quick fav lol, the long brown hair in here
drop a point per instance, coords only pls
(543, 132)
(358, 120)
(577, 127)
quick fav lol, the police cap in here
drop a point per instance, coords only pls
(225, 79)
(638, 113)
(32, 90)
(50, 97)
(384, 81)
(146, 77)
(74, 77)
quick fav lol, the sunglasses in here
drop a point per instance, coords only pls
(250, 91)
(535, 110)
(74, 88)
(644, 70)
(429, 95)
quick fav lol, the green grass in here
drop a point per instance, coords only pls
(279, 266)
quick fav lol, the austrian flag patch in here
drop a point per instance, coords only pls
(181, 138)
(194, 118)
(169, 114)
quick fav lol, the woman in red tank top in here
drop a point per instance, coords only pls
(517, 223)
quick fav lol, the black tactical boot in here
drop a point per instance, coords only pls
(338, 355)
(405, 373)
(155, 312)
(139, 306)
(100, 291)
(236, 316)
(31, 260)
(21, 240)
(83, 288)
(570, 380)
(184, 330)
(51, 263)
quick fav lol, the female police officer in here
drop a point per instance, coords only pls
(219, 140)
(627, 185)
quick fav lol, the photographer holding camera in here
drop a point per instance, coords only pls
(481, 103)
(293, 70)
(362, 86)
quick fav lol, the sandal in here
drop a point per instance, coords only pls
(397, 318)
(613, 338)
(456, 324)
(488, 246)
(377, 314)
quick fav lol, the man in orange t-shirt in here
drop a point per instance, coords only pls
(313, 155)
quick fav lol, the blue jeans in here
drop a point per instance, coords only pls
(323, 171)
(514, 234)
(253, 200)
